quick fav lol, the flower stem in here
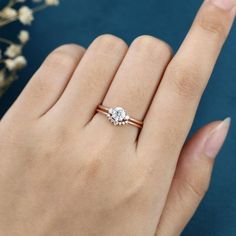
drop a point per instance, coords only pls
(6, 41)
(6, 22)
(11, 3)
(40, 8)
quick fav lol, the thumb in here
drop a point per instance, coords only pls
(192, 177)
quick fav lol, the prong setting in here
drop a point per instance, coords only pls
(117, 116)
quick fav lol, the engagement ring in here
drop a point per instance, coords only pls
(118, 116)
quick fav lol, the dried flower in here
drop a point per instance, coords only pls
(11, 57)
(26, 15)
(13, 50)
(8, 13)
(52, 2)
(20, 62)
(15, 64)
(10, 64)
(23, 36)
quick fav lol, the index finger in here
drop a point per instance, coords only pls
(173, 108)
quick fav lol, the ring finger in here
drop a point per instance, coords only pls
(137, 79)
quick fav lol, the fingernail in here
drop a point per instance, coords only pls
(216, 138)
(224, 4)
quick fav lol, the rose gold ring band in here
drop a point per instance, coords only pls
(118, 116)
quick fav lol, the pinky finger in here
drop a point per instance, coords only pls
(192, 177)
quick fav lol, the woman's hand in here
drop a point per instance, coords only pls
(65, 170)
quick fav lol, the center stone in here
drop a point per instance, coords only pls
(118, 114)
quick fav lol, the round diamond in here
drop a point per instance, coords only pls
(118, 114)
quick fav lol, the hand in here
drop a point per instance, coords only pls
(65, 170)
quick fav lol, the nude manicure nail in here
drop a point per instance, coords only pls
(216, 138)
(224, 4)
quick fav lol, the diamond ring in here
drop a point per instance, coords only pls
(118, 116)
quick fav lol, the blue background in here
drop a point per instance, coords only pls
(80, 22)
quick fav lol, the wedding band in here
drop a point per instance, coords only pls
(118, 116)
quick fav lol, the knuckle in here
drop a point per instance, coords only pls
(110, 42)
(152, 43)
(64, 56)
(186, 80)
(212, 25)
(213, 22)
(93, 169)
(195, 188)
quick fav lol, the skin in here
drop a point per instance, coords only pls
(65, 170)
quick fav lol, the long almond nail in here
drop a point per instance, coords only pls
(216, 138)
(224, 4)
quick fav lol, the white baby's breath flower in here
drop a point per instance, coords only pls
(13, 50)
(10, 64)
(26, 15)
(16, 64)
(8, 13)
(52, 2)
(23, 36)
(20, 62)
(11, 58)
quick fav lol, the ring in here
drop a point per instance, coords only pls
(118, 116)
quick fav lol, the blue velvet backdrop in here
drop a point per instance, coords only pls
(81, 21)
